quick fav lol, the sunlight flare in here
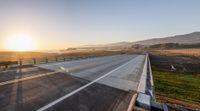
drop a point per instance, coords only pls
(20, 42)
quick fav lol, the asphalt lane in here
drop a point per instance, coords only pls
(127, 78)
(21, 73)
(78, 65)
(32, 94)
(97, 97)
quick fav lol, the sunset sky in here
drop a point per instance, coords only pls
(59, 24)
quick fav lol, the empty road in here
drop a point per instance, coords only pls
(94, 84)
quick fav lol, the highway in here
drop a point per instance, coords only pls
(94, 84)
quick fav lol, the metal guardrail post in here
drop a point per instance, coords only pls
(56, 59)
(20, 62)
(34, 61)
(46, 60)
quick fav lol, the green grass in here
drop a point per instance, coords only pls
(179, 85)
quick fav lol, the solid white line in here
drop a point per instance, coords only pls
(81, 88)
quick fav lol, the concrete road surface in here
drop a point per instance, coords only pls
(38, 87)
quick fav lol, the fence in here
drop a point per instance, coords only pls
(31, 61)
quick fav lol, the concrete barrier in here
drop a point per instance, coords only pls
(142, 83)
(146, 98)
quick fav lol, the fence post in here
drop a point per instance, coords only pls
(56, 59)
(64, 59)
(46, 60)
(34, 61)
(20, 62)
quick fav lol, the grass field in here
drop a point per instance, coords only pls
(180, 85)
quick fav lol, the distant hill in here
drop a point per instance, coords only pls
(168, 42)
(123, 43)
(191, 38)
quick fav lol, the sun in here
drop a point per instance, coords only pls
(20, 43)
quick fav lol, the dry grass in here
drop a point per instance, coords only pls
(27, 57)
(188, 52)
(14, 56)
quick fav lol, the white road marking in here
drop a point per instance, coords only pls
(17, 69)
(27, 78)
(64, 69)
(81, 88)
(7, 71)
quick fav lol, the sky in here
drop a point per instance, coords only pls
(59, 24)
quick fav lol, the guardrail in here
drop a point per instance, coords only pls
(8, 63)
(31, 61)
(42, 60)
(146, 84)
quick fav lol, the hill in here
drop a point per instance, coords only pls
(191, 38)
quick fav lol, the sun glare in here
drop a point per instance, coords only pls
(20, 43)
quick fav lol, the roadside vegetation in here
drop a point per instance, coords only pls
(180, 86)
